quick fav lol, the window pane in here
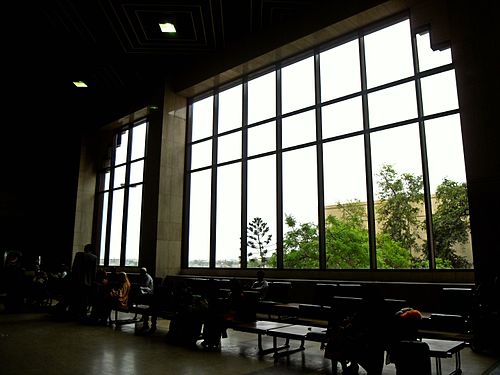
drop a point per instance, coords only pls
(202, 118)
(346, 229)
(230, 109)
(448, 185)
(439, 93)
(115, 242)
(262, 138)
(300, 208)
(121, 147)
(389, 54)
(262, 204)
(201, 154)
(444, 150)
(138, 141)
(299, 129)
(262, 98)
(229, 147)
(104, 223)
(339, 68)
(398, 188)
(391, 105)
(298, 85)
(428, 58)
(119, 178)
(228, 216)
(136, 172)
(199, 219)
(133, 226)
(342, 117)
(104, 176)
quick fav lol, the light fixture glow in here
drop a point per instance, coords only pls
(80, 84)
(167, 27)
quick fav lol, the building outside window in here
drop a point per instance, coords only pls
(346, 157)
(120, 197)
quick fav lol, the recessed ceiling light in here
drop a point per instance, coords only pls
(167, 27)
(80, 84)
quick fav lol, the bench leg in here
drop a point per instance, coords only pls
(278, 353)
(275, 347)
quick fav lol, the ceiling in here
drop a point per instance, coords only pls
(117, 48)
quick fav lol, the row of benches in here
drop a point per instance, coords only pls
(276, 306)
(295, 321)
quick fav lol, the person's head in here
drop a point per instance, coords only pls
(122, 278)
(260, 275)
(143, 271)
(89, 248)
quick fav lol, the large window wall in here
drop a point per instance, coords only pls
(120, 197)
(346, 157)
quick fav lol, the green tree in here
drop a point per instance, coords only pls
(258, 238)
(391, 254)
(401, 197)
(398, 243)
(347, 245)
(451, 222)
(300, 244)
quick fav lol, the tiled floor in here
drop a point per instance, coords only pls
(33, 343)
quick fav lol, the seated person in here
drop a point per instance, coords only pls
(118, 294)
(146, 295)
(260, 284)
(360, 340)
(145, 281)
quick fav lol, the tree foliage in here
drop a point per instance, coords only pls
(300, 245)
(258, 238)
(451, 221)
(401, 197)
(347, 245)
(398, 244)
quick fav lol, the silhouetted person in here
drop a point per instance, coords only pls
(362, 338)
(14, 282)
(146, 295)
(83, 275)
(99, 296)
(145, 281)
(261, 284)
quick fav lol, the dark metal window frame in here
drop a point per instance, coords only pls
(101, 191)
(318, 143)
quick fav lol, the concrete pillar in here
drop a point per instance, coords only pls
(169, 229)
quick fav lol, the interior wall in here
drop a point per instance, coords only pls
(171, 185)
(474, 33)
(84, 212)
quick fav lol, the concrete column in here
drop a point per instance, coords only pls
(169, 230)
(85, 196)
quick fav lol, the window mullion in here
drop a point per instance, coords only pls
(125, 200)
(279, 174)
(319, 163)
(244, 173)
(368, 160)
(213, 204)
(425, 161)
